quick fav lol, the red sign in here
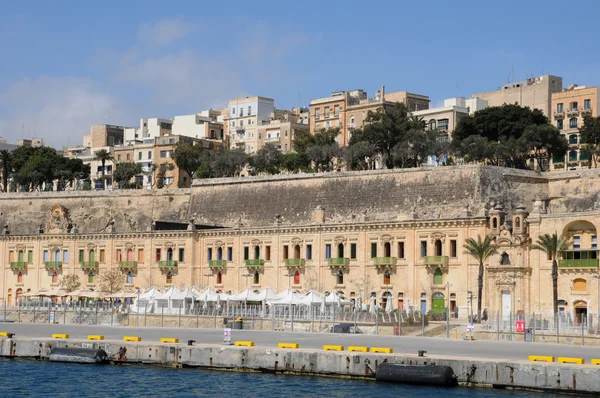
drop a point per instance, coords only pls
(520, 326)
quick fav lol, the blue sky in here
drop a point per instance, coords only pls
(69, 64)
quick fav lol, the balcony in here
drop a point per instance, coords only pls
(89, 265)
(338, 262)
(53, 264)
(295, 262)
(384, 261)
(167, 264)
(586, 111)
(18, 264)
(573, 112)
(559, 115)
(578, 263)
(257, 262)
(435, 260)
(128, 264)
(217, 263)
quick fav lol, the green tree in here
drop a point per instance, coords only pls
(590, 135)
(361, 155)
(103, 156)
(70, 282)
(188, 157)
(543, 142)
(6, 159)
(295, 162)
(387, 127)
(228, 163)
(554, 246)
(481, 251)
(125, 172)
(267, 159)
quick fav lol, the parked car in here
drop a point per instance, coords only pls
(345, 328)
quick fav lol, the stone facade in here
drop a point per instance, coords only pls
(397, 234)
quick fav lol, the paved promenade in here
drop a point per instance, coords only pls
(402, 345)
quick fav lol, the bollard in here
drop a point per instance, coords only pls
(191, 342)
(422, 353)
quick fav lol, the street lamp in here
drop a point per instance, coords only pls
(247, 276)
(598, 294)
(448, 309)
(470, 299)
(207, 279)
(289, 275)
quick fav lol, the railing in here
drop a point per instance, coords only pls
(573, 111)
(128, 264)
(89, 264)
(217, 263)
(167, 264)
(257, 262)
(295, 262)
(384, 260)
(53, 264)
(559, 114)
(586, 110)
(338, 261)
(435, 260)
(18, 264)
(579, 263)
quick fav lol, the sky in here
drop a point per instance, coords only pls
(66, 65)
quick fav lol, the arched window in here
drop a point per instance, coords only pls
(20, 277)
(518, 222)
(574, 106)
(256, 252)
(339, 279)
(18, 296)
(340, 250)
(54, 278)
(169, 255)
(494, 223)
(504, 259)
(296, 278)
(573, 138)
(572, 155)
(169, 278)
(220, 253)
(438, 278)
(580, 285)
(92, 256)
(386, 278)
(20, 259)
(387, 249)
(438, 247)
(57, 255)
(130, 255)
(219, 278)
(297, 251)
(256, 278)
(129, 277)
(352, 121)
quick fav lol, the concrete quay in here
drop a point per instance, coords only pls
(471, 371)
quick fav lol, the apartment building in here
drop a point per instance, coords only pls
(535, 92)
(569, 108)
(243, 117)
(282, 128)
(347, 110)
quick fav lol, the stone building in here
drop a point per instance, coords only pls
(394, 234)
(535, 92)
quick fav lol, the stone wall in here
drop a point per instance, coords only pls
(381, 195)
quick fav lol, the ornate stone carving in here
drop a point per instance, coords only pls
(297, 241)
(437, 236)
(58, 222)
(340, 239)
(386, 238)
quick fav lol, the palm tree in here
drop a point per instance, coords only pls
(481, 251)
(6, 159)
(554, 246)
(103, 156)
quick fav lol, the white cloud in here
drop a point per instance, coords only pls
(163, 32)
(58, 109)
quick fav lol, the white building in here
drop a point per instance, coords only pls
(243, 118)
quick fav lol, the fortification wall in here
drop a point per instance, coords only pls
(380, 195)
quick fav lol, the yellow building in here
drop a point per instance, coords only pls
(569, 108)
(393, 234)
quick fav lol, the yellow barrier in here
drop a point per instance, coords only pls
(169, 340)
(288, 345)
(354, 348)
(95, 337)
(541, 358)
(578, 361)
(6, 334)
(333, 347)
(132, 338)
(381, 349)
(60, 336)
(244, 343)
(595, 362)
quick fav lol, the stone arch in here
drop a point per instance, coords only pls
(578, 227)
(504, 259)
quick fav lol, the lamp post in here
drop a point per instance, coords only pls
(289, 275)
(597, 277)
(448, 309)
(245, 300)
(207, 279)
(470, 299)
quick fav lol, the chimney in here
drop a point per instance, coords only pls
(382, 93)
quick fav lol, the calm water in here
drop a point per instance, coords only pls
(37, 379)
